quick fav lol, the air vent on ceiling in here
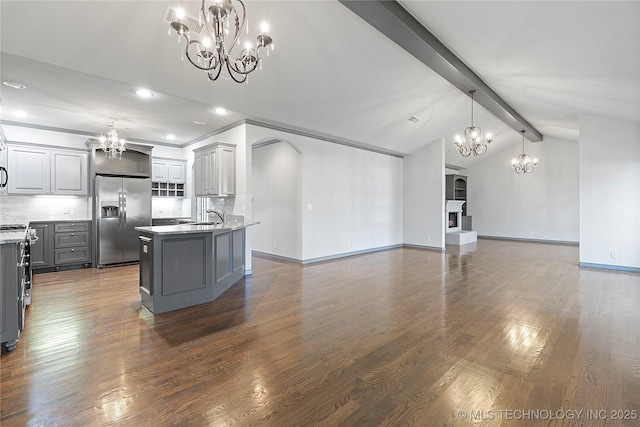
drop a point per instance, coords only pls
(191, 22)
(414, 119)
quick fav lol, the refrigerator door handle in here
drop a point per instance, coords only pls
(124, 207)
(120, 208)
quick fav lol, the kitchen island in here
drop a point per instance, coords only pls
(189, 264)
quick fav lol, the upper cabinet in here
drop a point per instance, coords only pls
(214, 170)
(168, 177)
(168, 170)
(34, 170)
(69, 172)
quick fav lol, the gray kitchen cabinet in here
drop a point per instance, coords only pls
(229, 254)
(35, 170)
(214, 260)
(71, 243)
(29, 170)
(41, 251)
(11, 295)
(61, 244)
(214, 170)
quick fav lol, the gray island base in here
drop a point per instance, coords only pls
(186, 265)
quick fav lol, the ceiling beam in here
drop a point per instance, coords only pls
(395, 22)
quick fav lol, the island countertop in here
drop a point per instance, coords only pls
(196, 228)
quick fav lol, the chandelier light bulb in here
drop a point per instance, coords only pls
(180, 13)
(264, 27)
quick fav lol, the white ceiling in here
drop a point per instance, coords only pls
(330, 72)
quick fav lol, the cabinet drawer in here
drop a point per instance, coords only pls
(71, 226)
(71, 256)
(71, 240)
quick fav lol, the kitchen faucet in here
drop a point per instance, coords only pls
(219, 212)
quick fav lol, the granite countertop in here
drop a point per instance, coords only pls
(12, 236)
(196, 228)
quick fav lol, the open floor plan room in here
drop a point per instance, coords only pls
(507, 333)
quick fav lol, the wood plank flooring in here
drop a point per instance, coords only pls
(509, 334)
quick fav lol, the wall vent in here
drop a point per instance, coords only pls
(191, 22)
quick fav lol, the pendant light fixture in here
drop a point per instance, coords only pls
(524, 163)
(112, 145)
(471, 141)
(211, 39)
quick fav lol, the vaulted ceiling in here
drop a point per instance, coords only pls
(330, 74)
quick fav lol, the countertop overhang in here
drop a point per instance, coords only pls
(197, 228)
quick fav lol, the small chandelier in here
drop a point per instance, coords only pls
(471, 140)
(213, 52)
(524, 163)
(111, 144)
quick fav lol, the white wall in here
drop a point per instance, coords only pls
(543, 205)
(277, 191)
(241, 203)
(423, 201)
(609, 192)
(351, 198)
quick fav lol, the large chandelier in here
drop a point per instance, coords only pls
(223, 26)
(471, 140)
(524, 163)
(112, 145)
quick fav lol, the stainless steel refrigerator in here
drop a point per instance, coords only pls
(121, 205)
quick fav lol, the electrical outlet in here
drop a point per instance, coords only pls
(349, 243)
(614, 254)
(309, 207)
(275, 245)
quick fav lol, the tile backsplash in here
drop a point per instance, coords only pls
(170, 207)
(59, 208)
(44, 208)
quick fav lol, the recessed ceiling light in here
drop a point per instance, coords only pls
(14, 85)
(198, 122)
(219, 110)
(144, 93)
(414, 119)
(171, 137)
(20, 114)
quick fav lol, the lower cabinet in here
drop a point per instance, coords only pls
(41, 250)
(182, 270)
(61, 244)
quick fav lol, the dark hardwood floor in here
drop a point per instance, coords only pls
(513, 333)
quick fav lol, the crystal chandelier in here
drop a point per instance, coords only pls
(223, 26)
(471, 140)
(524, 163)
(111, 144)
